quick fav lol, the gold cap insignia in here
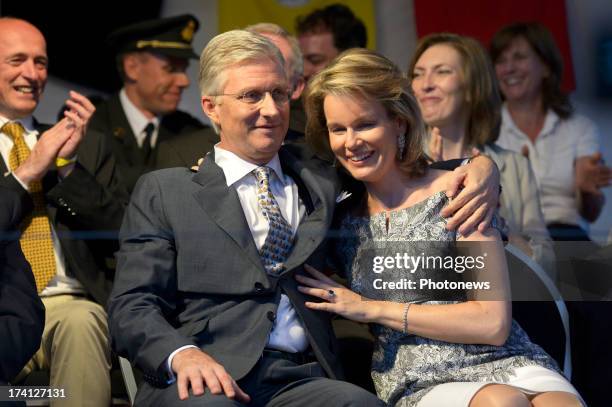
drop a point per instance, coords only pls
(187, 32)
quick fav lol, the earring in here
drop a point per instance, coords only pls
(401, 145)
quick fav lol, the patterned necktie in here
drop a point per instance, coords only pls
(279, 239)
(35, 239)
(146, 143)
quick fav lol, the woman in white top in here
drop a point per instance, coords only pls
(538, 121)
(454, 84)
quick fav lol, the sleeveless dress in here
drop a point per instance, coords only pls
(405, 368)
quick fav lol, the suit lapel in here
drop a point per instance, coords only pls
(122, 131)
(222, 204)
(163, 133)
(317, 193)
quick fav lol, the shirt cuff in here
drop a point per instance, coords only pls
(23, 184)
(171, 376)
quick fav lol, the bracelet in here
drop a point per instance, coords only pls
(62, 162)
(466, 161)
(406, 307)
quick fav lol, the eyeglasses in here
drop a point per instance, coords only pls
(255, 97)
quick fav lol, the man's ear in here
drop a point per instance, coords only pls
(209, 107)
(131, 67)
(299, 88)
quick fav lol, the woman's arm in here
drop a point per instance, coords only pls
(484, 319)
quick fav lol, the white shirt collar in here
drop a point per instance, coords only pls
(550, 122)
(235, 168)
(26, 122)
(138, 121)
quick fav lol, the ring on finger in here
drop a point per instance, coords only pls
(331, 293)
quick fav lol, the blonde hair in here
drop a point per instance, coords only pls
(482, 94)
(296, 66)
(363, 73)
(231, 48)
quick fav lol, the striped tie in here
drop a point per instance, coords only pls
(279, 239)
(36, 241)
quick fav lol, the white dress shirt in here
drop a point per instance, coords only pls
(552, 157)
(138, 121)
(61, 283)
(288, 333)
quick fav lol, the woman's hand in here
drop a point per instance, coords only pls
(592, 174)
(436, 149)
(336, 298)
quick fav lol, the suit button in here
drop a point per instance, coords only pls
(259, 287)
(271, 315)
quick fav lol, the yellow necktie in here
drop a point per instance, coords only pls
(36, 241)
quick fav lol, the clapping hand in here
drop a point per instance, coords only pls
(592, 174)
(436, 145)
(78, 114)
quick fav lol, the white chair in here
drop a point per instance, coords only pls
(530, 282)
(128, 378)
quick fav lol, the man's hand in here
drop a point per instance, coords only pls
(45, 152)
(79, 113)
(476, 203)
(592, 174)
(196, 369)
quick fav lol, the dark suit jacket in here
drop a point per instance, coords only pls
(86, 209)
(22, 314)
(185, 150)
(110, 119)
(189, 272)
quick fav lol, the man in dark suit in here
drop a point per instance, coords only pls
(192, 298)
(184, 150)
(74, 198)
(22, 315)
(205, 301)
(152, 58)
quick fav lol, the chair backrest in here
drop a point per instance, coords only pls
(539, 307)
(128, 378)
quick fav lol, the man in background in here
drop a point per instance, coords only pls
(152, 59)
(71, 197)
(290, 49)
(325, 33)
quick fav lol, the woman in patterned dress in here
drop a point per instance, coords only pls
(434, 347)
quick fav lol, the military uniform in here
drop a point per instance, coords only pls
(169, 37)
(111, 120)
